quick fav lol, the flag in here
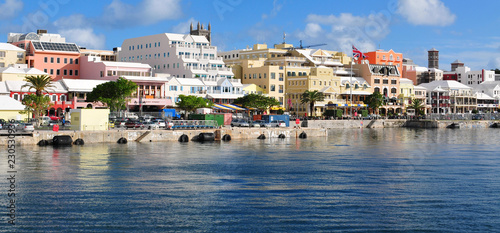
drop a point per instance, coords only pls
(357, 54)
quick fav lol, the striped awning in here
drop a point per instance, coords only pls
(235, 107)
(352, 105)
(230, 107)
(221, 107)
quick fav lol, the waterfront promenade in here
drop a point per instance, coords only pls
(315, 128)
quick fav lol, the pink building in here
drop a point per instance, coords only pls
(49, 53)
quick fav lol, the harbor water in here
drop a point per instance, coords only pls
(378, 180)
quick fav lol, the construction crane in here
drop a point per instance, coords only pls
(304, 47)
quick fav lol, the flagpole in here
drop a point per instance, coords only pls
(350, 84)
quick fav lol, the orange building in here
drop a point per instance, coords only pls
(381, 57)
(49, 53)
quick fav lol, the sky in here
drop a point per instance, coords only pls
(460, 29)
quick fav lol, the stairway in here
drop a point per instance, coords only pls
(142, 136)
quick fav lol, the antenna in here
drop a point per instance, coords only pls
(284, 38)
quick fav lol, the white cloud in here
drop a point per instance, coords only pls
(10, 8)
(426, 12)
(120, 14)
(276, 9)
(263, 33)
(85, 37)
(183, 27)
(76, 29)
(343, 31)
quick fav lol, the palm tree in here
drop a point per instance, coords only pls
(311, 97)
(40, 83)
(416, 104)
(374, 101)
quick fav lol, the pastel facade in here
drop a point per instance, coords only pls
(10, 108)
(182, 56)
(92, 67)
(18, 72)
(49, 53)
(11, 55)
(58, 95)
(450, 97)
(381, 57)
(89, 119)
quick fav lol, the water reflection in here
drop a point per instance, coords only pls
(354, 180)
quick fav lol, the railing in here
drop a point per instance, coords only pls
(193, 124)
(465, 116)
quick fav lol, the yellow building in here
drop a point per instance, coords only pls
(285, 72)
(89, 119)
(18, 72)
(253, 89)
(407, 92)
(10, 108)
(10, 55)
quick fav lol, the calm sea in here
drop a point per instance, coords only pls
(385, 180)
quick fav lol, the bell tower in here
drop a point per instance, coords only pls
(201, 31)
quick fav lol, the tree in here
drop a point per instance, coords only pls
(114, 94)
(40, 83)
(190, 103)
(374, 101)
(312, 97)
(418, 105)
(35, 105)
(256, 101)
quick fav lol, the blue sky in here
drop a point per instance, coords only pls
(459, 29)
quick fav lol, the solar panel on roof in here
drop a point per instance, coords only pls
(37, 45)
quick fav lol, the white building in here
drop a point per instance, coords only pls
(182, 56)
(468, 77)
(448, 96)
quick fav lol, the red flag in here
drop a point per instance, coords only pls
(357, 54)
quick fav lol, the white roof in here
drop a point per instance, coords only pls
(199, 39)
(3, 88)
(10, 47)
(81, 85)
(190, 82)
(421, 69)
(174, 36)
(10, 104)
(225, 96)
(483, 96)
(445, 84)
(142, 78)
(348, 92)
(16, 86)
(126, 64)
(27, 71)
(435, 70)
(405, 80)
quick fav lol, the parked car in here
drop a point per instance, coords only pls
(478, 117)
(2, 123)
(120, 123)
(134, 124)
(54, 117)
(263, 123)
(278, 123)
(13, 125)
(254, 124)
(239, 123)
(52, 123)
(26, 127)
(151, 125)
(161, 123)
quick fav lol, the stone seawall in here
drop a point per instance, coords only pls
(112, 136)
(315, 128)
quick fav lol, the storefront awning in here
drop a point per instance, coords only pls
(229, 107)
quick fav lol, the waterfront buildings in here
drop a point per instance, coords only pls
(381, 57)
(446, 96)
(49, 53)
(10, 55)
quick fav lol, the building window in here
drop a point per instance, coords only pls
(45, 59)
(76, 61)
(71, 61)
(2, 53)
(45, 70)
(58, 72)
(273, 88)
(394, 82)
(376, 81)
(70, 72)
(58, 60)
(16, 97)
(66, 72)
(54, 98)
(65, 60)
(385, 81)
(273, 75)
(76, 72)
(51, 60)
(63, 98)
(51, 71)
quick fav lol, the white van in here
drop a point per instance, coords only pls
(44, 120)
